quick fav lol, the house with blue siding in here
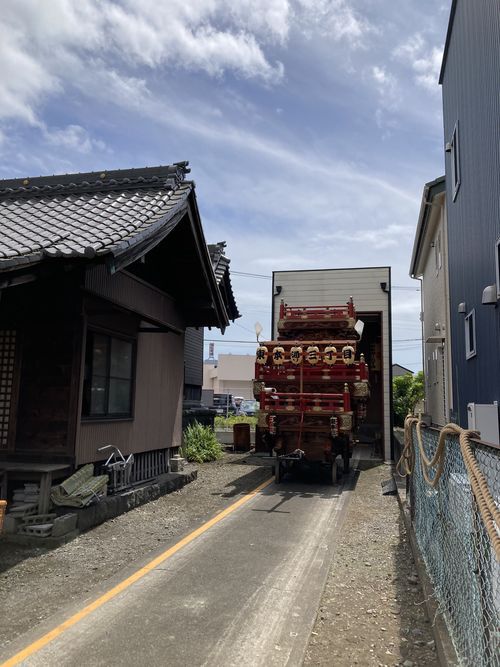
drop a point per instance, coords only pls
(470, 79)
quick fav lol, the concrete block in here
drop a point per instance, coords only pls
(38, 519)
(86, 517)
(11, 523)
(42, 530)
(177, 463)
(64, 524)
(24, 509)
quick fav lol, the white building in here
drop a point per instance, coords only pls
(230, 374)
(429, 264)
(370, 289)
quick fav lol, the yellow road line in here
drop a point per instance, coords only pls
(123, 585)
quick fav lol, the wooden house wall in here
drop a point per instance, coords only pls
(157, 413)
(335, 286)
(124, 289)
(46, 316)
(471, 82)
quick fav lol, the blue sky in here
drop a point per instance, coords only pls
(310, 126)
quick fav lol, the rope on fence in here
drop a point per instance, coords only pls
(488, 509)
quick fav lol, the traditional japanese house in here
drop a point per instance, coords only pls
(193, 350)
(100, 275)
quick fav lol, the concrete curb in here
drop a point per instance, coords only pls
(108, 508)
(445, 650)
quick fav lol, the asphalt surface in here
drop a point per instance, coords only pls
(245, 592)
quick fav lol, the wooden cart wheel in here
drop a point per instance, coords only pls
(334, 472)
(277, 470)
(346, 456)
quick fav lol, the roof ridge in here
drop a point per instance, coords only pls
(170, 176)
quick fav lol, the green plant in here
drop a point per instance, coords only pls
(407, 390)
(229, 422)
(200, 444)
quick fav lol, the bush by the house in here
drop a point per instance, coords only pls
(229, 422)
(200, 444)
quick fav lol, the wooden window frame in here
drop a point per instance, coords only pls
(115, 416)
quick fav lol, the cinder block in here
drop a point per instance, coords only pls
(177, 463)
(38, 519)
(43, 530)
(11, 523)
(64, 524)
(87, 517)
(25, 509)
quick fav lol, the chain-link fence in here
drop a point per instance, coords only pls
(456, 548)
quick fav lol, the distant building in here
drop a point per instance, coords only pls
(230, 374)
(470, 78)
(398, 371)
(429, 264)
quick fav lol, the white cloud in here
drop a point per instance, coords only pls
(335, 18)
(73, 138)
(424, 59)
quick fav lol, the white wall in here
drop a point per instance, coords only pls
(231, 374)
(330, 287)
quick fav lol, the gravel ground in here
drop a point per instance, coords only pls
(372, 610)
(36, 583)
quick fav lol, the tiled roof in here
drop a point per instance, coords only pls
(220, 265)
(87, 215)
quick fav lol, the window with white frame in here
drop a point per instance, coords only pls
(455, 161)
(470, 334)
(497, 260)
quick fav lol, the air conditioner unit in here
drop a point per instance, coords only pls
(483, 417)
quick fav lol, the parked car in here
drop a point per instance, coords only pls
(249, 407)
(224, 404)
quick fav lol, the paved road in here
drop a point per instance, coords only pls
(245, 592)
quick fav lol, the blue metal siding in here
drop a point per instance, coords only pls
(471, 96)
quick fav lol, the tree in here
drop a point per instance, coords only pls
(407, 390)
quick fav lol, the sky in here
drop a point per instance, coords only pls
(310, 126)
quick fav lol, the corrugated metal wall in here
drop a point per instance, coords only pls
(471, 85)
(193, 357)
(335, 286)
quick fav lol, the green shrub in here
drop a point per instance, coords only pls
(200, 444)
(229, 422)
(407, 390)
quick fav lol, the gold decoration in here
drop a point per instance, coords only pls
(312, 354)
(348, 355)
(330, 355)
(345, 422)
(296, 355)
(278, 356)
(361, 390)
(261, 354)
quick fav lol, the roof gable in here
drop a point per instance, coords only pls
(116, 218)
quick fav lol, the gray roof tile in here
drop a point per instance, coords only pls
(80, 215)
